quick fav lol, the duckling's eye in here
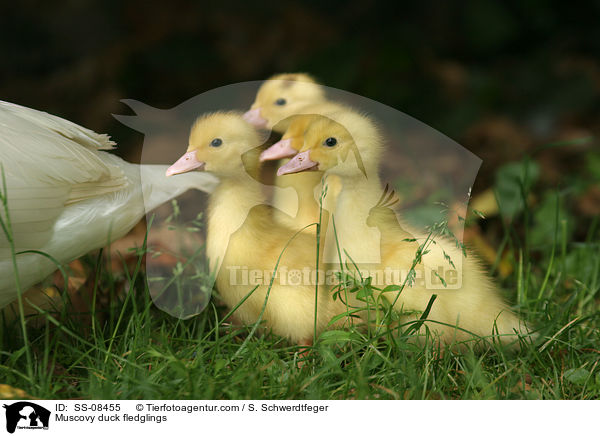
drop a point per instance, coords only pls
(280, 101)
(330, 142)
(216, 142)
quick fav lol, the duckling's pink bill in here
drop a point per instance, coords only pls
(300, 162)
(185, 163)
(254, 117)
(279, 150)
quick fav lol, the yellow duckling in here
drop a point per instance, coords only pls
(350, 148)
(285, 104)
(361, 188)
(243, 236)
(308, 185)
(285, 95)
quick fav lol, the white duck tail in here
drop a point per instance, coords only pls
(65, 197)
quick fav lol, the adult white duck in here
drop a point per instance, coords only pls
(63, 196)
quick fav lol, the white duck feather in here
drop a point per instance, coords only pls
(66, 197)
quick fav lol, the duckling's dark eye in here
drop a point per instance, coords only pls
(216, 142)
(280, 101)
(330, 142)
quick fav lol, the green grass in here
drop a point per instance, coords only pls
(132, 350)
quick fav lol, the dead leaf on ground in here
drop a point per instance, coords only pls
(8, 392)
(526, 385)
(589, 202)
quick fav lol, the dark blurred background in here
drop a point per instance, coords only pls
(500, 78)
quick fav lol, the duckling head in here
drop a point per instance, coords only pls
(347, 145)
(282, 96)
(292, 140)
(222, 143)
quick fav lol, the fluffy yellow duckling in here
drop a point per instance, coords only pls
(285, 95)
(350, 148)
(361, 188)
(285, 103)
(243, 235)
(308, 185)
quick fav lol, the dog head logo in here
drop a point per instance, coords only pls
(26, 415)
